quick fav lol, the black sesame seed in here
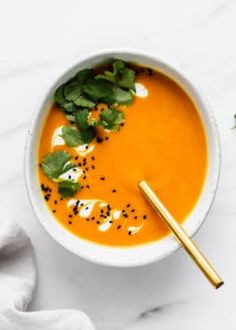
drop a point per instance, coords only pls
(93, 158)
(133, 210)
(93, 167)
(69, 176)
(76, 158)
(87, 219)
(54, 211)
(102, 178)
(99, 140)
(79, 164)
(102, 211)
(128, 205)
(84, 177)
(70, 215)
(136, 217)
(92, 218)
(98, 222)
(86, 147)
(55, 202)
(69, 222)
(144, 217)
(107, 138)
(113, 190)
(88, 186)
(125, 215)
(130, 232)
(86, 208)
(110, 221)
(119, 226)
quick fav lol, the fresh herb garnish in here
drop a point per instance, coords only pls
(77, 98)
(68, 188)
(74, 137)
(99, 90)
(121, 75)
(111, 119)
(56, 163)
(88, 134)
(81, 118)
(127, 79)
(73, 92)
(122, 96)
(71, 136)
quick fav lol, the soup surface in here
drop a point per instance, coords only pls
(162, 141)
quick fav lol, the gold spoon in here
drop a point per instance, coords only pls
(182, 236)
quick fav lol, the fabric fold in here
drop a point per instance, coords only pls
(17, 283)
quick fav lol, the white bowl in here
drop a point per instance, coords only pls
(121, 256)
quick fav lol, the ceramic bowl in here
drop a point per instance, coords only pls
(121, 256)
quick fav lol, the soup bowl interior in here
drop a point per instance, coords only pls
(134, 255)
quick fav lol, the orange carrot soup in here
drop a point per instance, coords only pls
(108, 129)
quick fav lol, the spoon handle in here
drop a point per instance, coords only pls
(182, 236)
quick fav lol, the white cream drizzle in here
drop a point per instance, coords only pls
(57, 139)
(141, 90)
(116, 214)
(85, 206)
(106, 225)
(135, 229)
(73, 174)
(84, 149)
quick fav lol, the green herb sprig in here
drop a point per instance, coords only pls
(77, 98)
(85, 90)
(54, 165)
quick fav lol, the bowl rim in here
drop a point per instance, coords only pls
(88, 249)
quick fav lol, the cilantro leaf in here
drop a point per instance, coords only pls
(122, 96)
(71, 136)
(88, 134)
(70, 117)
(68, 188)
(70, 107)
(111, 119)
(56, 163)
(60, 99)
(59, 96)
(99, 90)
(84, 75)
(81, 118)
(109, 76)
(127, 80)
(118, 67)
(82, 101)
(72, 91)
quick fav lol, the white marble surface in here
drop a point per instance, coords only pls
(38, 40)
